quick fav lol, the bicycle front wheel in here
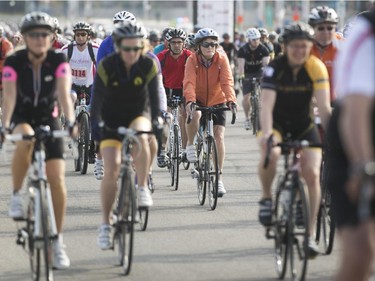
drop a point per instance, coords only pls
(83, 142)
(212, 170)
(176, 156)
(124, 232)
(199, 166)
(255, 114)
(143, 218)
(299, 236)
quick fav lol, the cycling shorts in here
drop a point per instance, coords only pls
(54, 148)
(219, 117)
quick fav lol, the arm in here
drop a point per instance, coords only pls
(323, 102)
(267, 101)
(226, 80)
(63, 86)
(9, 95)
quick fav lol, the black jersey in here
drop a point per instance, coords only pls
(253, 58)
(36, 98)
(292, 108)
(119, 97)
(229, 49)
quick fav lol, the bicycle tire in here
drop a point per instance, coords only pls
(77, 162)
(170, 156)
(176, 156)
(280, 233)
(255, 113)
(124, 227)
(84, 142)
(143, 218)
(298, 239)
(201, 187)
(34, 252)
(212, 170)
(47, 246)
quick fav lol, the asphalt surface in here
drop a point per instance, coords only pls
(184, 241)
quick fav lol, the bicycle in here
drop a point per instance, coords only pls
(40, 229)
(206, 170)
(255, 106)
(83, 141)
(291, 240)
(174, 142)
(124, 216)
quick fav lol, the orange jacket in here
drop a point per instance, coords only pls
(208, 86)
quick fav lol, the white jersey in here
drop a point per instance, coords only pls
(355, 63)
(83, 68)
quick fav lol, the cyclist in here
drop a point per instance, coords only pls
(190, 42)
(154, 38)
(34, 79)
(58, 40)
(351, 148)
(82, 59)
(324, 20)
(172, 63)
(264, 39)
(289, 84)
(125, 94)
(229, 47)
(208, 81)
(273, 39)
(164, 44)
(252, 57)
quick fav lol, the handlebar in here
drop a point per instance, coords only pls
(212, 109)
(41, 133)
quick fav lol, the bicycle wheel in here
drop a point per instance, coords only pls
(176, 156)
(33, 251)
(171, 167)
(299, 237)
(325, 228)
(212, 171)
(143, 218)
(47, 245)
(199, 166)
(280, 233)
(255, 114)
(124, 231)
(83, 142)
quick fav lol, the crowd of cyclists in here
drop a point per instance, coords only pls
(128, 77)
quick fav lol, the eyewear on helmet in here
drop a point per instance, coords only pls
(209, 44)
(35, 34)
(129, 49)
(322, 28)
(82, 34)
(176, 42)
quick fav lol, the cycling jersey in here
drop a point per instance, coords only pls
(253, 58)
(173, 69)
(36, 98)
(228, 48)
(119, 98)
(83, 69)
(208, 85)
(159, 48)
(291, 112)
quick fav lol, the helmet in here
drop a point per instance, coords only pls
(165, 31)
(263, 31)
(153, 36)
(298, 30)
(35, 20)
(175, 33)
(205, 33)
(81, 25)
(190, 40)
(57, 24)
(124, 16)
(323, 14)
(252, 33)
(127, 29)
(273, 35)
(226, 36)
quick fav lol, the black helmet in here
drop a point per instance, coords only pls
(298, 30)
(175, 33)
(153, 36)
(35, 20)
(81, 25)
(127, 29)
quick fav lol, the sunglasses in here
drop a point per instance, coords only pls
(209, 44)
(129, 49)
(322, 28)
(35, 34)
(81, 34)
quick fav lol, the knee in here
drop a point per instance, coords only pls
(311, 175)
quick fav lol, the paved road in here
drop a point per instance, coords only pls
(184, 241)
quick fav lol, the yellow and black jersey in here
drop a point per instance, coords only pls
(119, 97)
(294, 93)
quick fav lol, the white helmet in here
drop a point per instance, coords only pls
(322, 14)
(124, 16)
(204, 33)
(252, 33)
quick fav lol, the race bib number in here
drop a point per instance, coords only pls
(80, 73)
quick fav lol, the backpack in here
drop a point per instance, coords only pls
(89, 46)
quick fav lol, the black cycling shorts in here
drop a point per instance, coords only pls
(219, 117)
(54, 148)
(344, 211)
(310, 133)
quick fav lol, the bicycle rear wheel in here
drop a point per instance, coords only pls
(83, 142)
(143, 218)
(280, 233)
(212, 171)
(176, 156)
(299, 237)
(124, 232)
(33, 252)
(255, 114)
(199, 166)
